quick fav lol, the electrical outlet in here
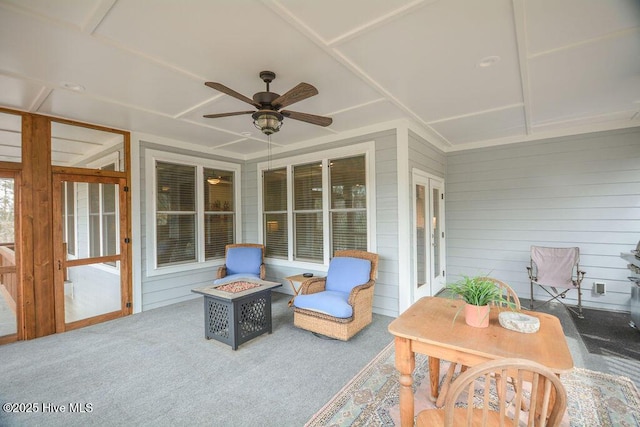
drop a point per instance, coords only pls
(600, 288)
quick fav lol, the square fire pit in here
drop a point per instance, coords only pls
(236, 312)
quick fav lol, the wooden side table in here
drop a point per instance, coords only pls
(298, 278)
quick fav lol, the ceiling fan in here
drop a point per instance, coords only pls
(215, 180)
(268, 118)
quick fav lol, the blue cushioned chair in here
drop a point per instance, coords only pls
(341, 304)
(242, 261)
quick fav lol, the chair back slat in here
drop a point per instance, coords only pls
(507, 291)
(505, 381)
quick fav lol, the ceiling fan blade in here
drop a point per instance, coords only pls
(222, 88)
(235, 113)
(298, 93)
(309, 118)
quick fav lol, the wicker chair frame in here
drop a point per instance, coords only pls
(360, 299)
(222, 270)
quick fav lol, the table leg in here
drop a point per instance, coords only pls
(434, 377)
(405, 364)
(295, 292)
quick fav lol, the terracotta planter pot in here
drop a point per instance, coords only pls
(477, 316)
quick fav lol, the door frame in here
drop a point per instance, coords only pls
(60, 256)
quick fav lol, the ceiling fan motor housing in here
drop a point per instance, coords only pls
(265, 98)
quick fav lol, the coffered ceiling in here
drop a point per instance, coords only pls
(465, 73)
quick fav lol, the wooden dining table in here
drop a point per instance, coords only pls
(436, 327)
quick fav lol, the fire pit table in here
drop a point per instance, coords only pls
(238, 311)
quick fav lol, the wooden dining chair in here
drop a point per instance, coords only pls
(491, 401)
(511, 301)
(509, 294)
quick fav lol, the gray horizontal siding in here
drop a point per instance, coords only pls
(576, 191)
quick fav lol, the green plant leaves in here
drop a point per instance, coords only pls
(476, 291)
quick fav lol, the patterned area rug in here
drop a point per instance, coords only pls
(371, 397)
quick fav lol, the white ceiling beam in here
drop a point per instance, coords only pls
(519, 21)
(97, 16)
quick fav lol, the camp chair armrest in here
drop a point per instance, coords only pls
(531, 276)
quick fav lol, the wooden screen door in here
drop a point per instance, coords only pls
(91, 250)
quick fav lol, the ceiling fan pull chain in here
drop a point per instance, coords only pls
(269, 153)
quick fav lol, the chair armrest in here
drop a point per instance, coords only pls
(353, 295)
(313, 285)
(263, 271)
(530, 273)
(222, 272)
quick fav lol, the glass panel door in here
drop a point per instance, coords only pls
(428, 236)
(436, 213)
(89, 249)
(421, 241)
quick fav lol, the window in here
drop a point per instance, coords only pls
(175, 213)
(308, 212)
(312, 207)
(274, 190)
(218, 212)
(192, 211)
(348, 204)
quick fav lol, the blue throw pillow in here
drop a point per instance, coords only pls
(345, 273)
(244, 260)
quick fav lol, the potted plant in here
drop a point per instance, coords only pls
(479, 293)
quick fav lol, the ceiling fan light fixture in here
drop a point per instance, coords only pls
(269, 122)
(213, 181)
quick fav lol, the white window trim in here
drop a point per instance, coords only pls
(151, 157)
(366, 148)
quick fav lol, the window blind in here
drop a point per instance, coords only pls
(219, 211)
(307, 212)
(175, 213)
(276, 234)
(348, 203)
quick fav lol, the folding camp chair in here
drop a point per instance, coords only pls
(553, 269)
